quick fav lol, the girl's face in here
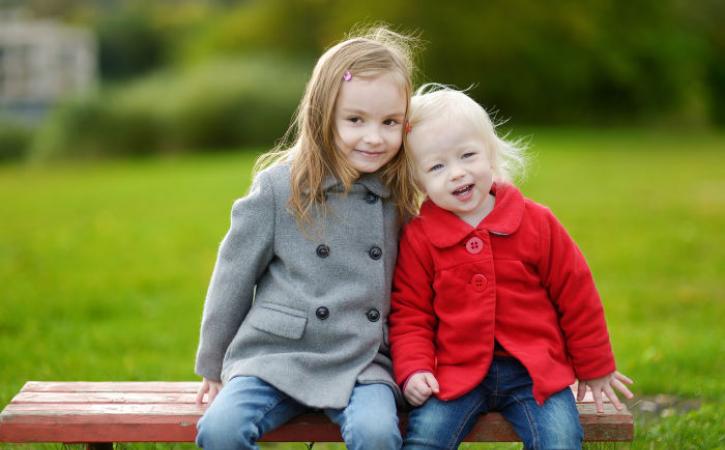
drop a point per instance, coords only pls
(369, 115)
(453, 167)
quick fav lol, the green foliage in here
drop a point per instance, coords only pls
(541, 62)
(128, 45)
(656, 62)
(95, 126)
(247, 101)
(15, 140)
(231, 103)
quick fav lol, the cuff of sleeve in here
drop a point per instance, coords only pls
(210, 371)
(594, 369)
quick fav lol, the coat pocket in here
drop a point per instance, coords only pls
(278, 320)
(460, 285)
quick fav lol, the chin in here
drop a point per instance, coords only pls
(367, 168)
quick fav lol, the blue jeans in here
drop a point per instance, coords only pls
(248, 407)
(507, 388)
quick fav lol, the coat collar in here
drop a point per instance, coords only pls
(444, 229)
(371, 182)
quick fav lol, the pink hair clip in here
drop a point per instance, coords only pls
(408, 127)
(347, 76)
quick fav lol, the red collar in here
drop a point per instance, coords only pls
(444, 229)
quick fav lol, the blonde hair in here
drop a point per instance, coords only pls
(508, 158)
(309, 143)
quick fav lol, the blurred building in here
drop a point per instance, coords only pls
(41, 61)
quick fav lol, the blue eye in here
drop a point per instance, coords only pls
(436, 167)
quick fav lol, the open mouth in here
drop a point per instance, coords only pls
(462, 191)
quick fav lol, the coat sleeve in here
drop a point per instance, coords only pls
(412, 318)
(244, 254)
(570, 284)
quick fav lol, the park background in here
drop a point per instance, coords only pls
(114, 200)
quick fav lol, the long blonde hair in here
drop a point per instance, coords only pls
(309, 143)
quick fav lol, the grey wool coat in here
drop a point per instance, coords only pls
(305, 312)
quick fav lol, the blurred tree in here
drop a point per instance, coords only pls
(236, 102)
(707, 18)
(15, 139)
(129, 45)
(588, 61)
(597, 61)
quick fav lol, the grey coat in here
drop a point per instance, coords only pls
(317, 321)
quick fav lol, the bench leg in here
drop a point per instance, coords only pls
(99, 446)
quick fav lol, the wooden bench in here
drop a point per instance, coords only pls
(101, 413)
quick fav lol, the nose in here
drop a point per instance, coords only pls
(373, 136)
(456, 172)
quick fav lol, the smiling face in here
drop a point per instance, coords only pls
(453, 167)
(369, 115)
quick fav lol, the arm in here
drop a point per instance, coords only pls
(243, 256)
(412, 318)
(570, 284)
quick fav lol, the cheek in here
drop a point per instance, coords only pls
(425, 184)
(396, 148)
(342, 136)
(487, 181)
(394, 138)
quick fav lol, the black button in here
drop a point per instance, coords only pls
(323, 251)
(371, 198)
(375, 253)
(322, 313)
(373, 315)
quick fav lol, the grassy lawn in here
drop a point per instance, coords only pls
(104, 267)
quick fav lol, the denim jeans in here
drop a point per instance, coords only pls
(507, 388)
(248, 407)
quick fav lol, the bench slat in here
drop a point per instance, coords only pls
(166, 412)
(166, 424)
(130, 387)
(111, 386)
(119, 397)
(173, 409)
(61, 409)
(104, 397)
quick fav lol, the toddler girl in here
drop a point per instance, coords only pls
(296, 312)
(493, 307)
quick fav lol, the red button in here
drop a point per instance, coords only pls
(474, 245)
(479, 282)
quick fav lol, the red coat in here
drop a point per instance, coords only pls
(518, 277)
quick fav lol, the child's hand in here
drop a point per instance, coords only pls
(605, 384)
(209, 387)
(419, 387)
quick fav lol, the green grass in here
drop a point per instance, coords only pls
(104, 267)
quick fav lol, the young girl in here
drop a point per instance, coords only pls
(296, 312)
(494, 307)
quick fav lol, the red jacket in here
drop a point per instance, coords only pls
(518, 277)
